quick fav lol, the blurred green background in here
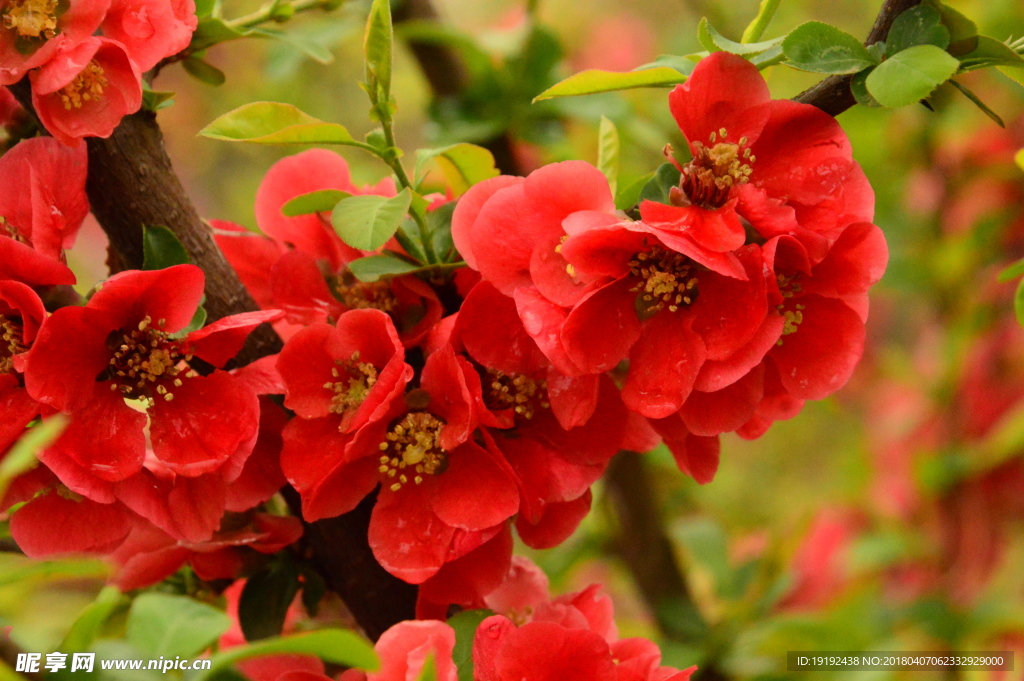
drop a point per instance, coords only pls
(888, 517)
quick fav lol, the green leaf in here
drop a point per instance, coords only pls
(1016, 269)
(213, 31)
(161, 249)
(331, 645)
(990, 52)
(921, 25)
(313, 590)
(909, 76)
(88, 624)
(198, 321)
(977, 102)
(608, 152)
(22, 571)
(153, 100)
(310, 48)
(377, 47)
(465, 625)
(161, 624)
(593, 81)
(320, 201)
(683, 63)
(963, 33)
(367, 222)
(765, 13)
(273, 123)
(203, 71)
(658, 187)
(439, 222)
(463, 165)
(429, 670)
(823, 48)
(204, 8)
(265, 600)
(21, 457)
(373, 267)
(410, 239)
(859, 88)
(629, 195)
(714, 41)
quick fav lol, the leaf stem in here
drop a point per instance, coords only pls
(759, 25)
(266, 14)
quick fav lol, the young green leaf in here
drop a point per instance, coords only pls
(823, 48)
(367, 222)
(373, 267)
(990, 52)
(859, 88)
(377, 47)
(161, 624)
(213, 31)
(594, 81)
(265, 599)
(88, 624)
(1016, 269)
(22, 456)
(153, 100)
(629, 196)
(909, 76)
(463, 165)
(714, 41)
(331, 645)
(683, 63)
(273, 123)
(204, 71)
(161, 249)
(765, 14)
(439, 222)
(963, 33)
(320, 201)
(921, 25)
(608, 151)
(658, 187)
(465, 625)
(978, 103)
(310, 48)
(1018, 302)
(429, 670)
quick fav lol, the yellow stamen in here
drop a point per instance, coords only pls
(11, 343)
(87, 86)
(518, 392)
(31, 18)
(667, 279)
(412, 446)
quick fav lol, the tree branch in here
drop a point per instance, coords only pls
(833, 95)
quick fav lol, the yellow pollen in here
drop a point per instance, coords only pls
(517, 392)
(353, 382)
(9, 230)
(146, 363)
(360, 295)
(412, 448)
(87, 86)
(714, 170)
(10, 343)
(667, 279)
(31, 18)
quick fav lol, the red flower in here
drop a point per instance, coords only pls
(151, 29)
(125, 344)
(10, 109)
(783, 166)
(31, 31)
(301, 267)
(85, 89)
(21, 314)
(404, 649)
(42, 206)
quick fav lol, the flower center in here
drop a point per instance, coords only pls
(146, 363)
(31, 18)
(360, 295)
(412, 449)
(714, 170)
(518, 392)
(353, 382)
(87, 86)
(792, 315)
(11, 337)
(667, 279)
(9, 230)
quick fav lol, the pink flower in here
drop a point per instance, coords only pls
(32, 31)
(151, 29)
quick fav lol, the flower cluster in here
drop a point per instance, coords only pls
(85, 58)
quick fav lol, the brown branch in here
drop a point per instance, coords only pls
(833, 95)
(130, 184)
(9, 651)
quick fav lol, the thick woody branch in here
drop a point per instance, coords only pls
(833, 95)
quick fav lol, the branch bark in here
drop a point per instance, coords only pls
(833, 95)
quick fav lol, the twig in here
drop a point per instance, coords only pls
(833, 95)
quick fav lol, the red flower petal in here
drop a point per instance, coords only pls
(172, 295)
(407, 539)
(489, 328)
(557, 523)
(725, 410)
(543, 321)
(475, 492)
(220, 341)
(855, 262)
(601, 329)
(204, 425)
(545, 651)
(466, 580)
(298, 287)
(450, 399)
(503, 238)
(21, 263)
(696, 456)
(251, 256)
(663, 365)
(467, 210)
(573, 399)
(51, 525)
(18, 410)
(724, 91)
(718, 230)
(728, 312)
(715, 375)
(820, 356)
